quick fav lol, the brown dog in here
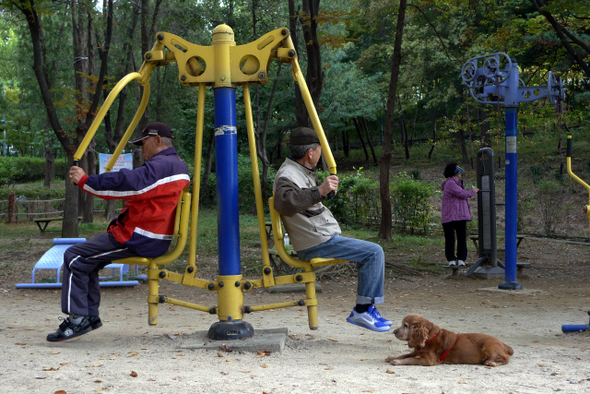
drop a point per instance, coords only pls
(433, 345)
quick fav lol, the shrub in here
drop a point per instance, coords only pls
(411, 204)
(26, 169)
(357, 201)
(549, 200)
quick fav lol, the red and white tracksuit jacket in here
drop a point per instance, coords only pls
(146, 223)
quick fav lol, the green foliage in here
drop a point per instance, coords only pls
(357, 201)
(247, 198)
(549, 201)
(26, 169)
(411, 208)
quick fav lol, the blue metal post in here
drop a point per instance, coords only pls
(511, 101)
(226, 164)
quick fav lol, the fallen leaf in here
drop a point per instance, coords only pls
(60, 392)
(333, 340)
(462, 382)
(180, 354)
(245, 371)
(542, 365)
(229, 361)
(364, 359)
(556, 373)
(51, 369)
(264, 366)
(20, 344)
(133, 374)
(55, 352)
(98, 381)
(389, 371)
(224, 373)
(132, 353)
(262, 353)
(369, 391)
(328, 369)
(63, 364)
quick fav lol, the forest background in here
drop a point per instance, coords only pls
(385, 77)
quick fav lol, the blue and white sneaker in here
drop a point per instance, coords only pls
(366, 320)
(373, 311)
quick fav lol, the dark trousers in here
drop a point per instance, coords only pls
(450, 228)
(80, 293)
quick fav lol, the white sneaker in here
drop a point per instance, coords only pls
(452, 263)
(366, 320)
(461, 264)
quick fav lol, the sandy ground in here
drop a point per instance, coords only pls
(127, 355)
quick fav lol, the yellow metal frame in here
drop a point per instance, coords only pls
(223, 64)
(577, 179)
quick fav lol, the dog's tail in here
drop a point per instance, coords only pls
(508, 349)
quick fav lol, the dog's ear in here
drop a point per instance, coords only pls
(418, 334)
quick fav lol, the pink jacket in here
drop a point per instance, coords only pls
(454, 201)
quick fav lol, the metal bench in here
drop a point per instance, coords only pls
(46, 221)
(53, 260)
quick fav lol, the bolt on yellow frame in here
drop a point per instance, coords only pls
(219, 65)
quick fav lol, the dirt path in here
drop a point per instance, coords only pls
(127, 355)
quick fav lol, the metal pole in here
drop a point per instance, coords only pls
(230, 295)
(511, 102)
(226, 165)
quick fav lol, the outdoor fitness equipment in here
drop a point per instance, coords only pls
(486, 215)
(586, 208)
(494, 79)
(576, 327)
(223, 66)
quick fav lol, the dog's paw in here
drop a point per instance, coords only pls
(392, 360)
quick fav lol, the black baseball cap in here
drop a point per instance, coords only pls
(153, 129)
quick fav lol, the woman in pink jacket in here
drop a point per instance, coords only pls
(455, 214)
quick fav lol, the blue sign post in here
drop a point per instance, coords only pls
(494, 79)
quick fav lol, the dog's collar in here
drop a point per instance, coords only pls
(430, 339)
(444, 355)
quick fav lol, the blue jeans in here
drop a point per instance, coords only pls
(369, 259)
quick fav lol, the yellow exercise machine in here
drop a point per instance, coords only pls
(222, 66)
(586, 208)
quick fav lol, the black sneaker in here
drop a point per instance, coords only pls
(95, 322)
(68, 330)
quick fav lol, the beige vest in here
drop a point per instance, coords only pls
(306, 231)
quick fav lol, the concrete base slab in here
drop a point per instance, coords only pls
(271, 340)
(514, 292)
(293, 288)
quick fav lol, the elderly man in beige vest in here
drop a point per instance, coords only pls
(314, 232)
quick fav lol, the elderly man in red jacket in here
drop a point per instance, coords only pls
(144, 227)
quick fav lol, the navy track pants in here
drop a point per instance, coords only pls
(80, 293)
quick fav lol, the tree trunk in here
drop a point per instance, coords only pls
(357, 127)
(404, 131)
(386, 219)
(29, 10)
(369, 140)
(49, 162)
(315, 77)
(345, 142)
(300, 112)
(462, 145)
(207, 170)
